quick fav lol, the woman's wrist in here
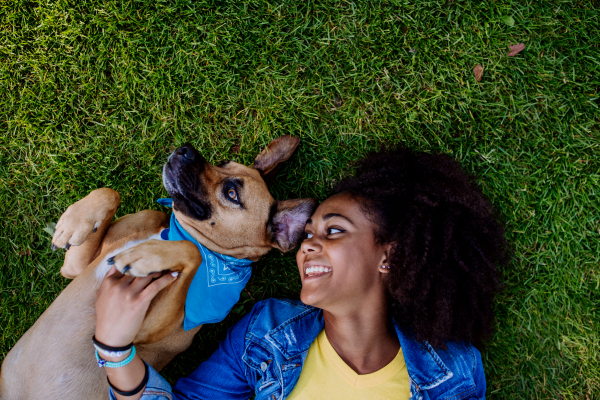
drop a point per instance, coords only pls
(112, 356)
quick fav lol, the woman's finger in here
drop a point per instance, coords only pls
(159, 284)
(112, 277)
(113, 270)
(127, 279)
(139, 284)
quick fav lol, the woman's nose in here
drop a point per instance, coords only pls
(310, 245)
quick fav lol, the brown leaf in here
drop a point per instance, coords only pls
(337, 101)
(25, 252)
(235, 148)
(515, 49)
(478, 71)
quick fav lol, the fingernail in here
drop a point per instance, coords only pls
(53, 247)
(174, 274)
(67, 246)
(95, 229)
(127, 268)
(111, 261)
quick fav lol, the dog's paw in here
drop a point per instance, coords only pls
(156, 255)
(84, 218)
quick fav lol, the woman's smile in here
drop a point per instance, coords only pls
(312, 270)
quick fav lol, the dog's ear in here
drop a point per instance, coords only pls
(287, 221)
(279, 150)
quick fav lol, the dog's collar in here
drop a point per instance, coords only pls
(217, 284)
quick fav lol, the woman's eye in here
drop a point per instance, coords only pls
(331, 231)
(232, 194)
(307, 235)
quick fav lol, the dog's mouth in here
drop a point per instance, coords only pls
(182, 179)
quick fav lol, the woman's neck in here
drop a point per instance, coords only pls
(366, 341)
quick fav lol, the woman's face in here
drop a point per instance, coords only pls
(340, 262)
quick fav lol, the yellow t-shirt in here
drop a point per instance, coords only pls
(326, 376)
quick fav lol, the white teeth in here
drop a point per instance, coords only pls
(317, 270)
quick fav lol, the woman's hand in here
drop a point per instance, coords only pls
(121, 305)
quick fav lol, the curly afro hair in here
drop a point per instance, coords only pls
(447, 243)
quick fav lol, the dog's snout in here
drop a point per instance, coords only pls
(188, 153)
(183, 179)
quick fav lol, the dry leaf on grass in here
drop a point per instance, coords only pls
(515, 49)
(235, 148)
(478, 71)
(337, 101)
(51, 226)
(508, 20)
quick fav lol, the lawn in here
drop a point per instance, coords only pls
(97, 93)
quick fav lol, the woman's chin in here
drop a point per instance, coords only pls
(310, 298)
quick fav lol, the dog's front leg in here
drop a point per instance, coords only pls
(157, 255)
(165, 314)
(82, 227)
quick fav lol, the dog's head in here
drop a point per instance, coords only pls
(228, 208)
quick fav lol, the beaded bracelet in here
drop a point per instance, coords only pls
(112, 353)
(103, 363)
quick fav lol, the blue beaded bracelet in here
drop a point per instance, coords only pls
(103, 363)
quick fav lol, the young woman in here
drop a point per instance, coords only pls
(398, 270)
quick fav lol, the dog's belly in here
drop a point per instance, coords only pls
(54, 357)
(55, 353)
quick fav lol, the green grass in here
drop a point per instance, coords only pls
(97, 93)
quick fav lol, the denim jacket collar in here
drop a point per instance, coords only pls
(425, 368)
(284, 339)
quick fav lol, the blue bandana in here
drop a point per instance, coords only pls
(218, 282)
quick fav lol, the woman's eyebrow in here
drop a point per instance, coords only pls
(331, 215)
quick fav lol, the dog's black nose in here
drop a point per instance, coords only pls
(188, 152)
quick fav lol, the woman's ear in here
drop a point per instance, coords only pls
(287, 221)
(384, 265)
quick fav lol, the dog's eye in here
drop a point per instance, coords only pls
(232, 194)
(230, 191)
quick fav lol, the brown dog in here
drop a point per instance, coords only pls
(228, 209)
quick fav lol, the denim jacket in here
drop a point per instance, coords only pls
(264, 352)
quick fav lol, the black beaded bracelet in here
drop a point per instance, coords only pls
(134, 391)
(110, 348)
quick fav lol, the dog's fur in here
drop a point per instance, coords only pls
(55, 359)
